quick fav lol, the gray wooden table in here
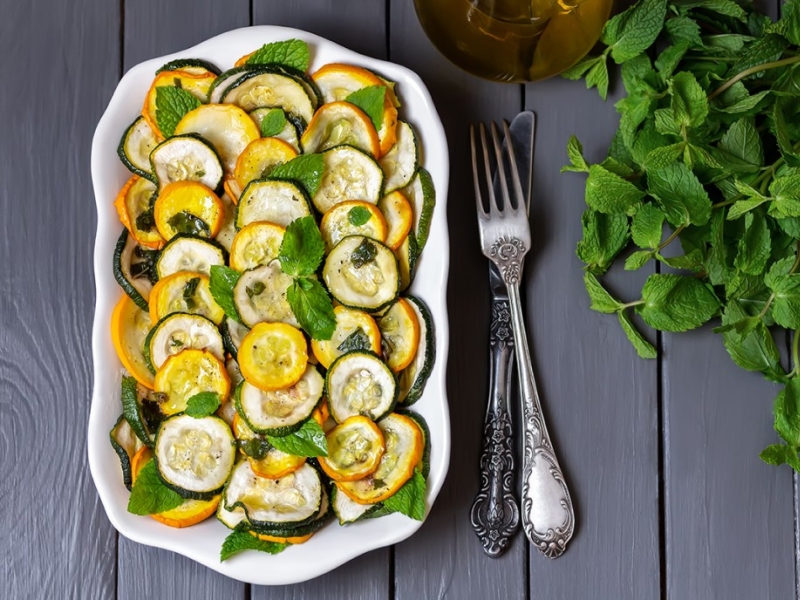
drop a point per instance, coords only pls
(672, 500)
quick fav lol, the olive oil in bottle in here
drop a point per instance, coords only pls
(514, 40)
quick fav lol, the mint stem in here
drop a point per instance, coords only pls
(752, 70)
(631, 304)
(795, 352)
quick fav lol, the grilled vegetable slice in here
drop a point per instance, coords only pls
(407, 255)
(292, 500)
(187, 374)
(134, 206)
(349, 511)
(424, 464)
(190, 65)
(279, 202)
(256, 244)
(178, 332)
(188, 207)
(352, 218)
(302, 531)
(360, 383)
(400, 164)
(260, 296)
(355, 448)
(404, 447)
(195, 456)
(125, 444)
(348, 174)
(231, 518)
(260, 157)
(198, 84)
(228, 128)
(273, 356)
(339, 123)
(224, 81)
(133, 267)
(400, 334)
(413, 378)
(232, 335)
(228, 229)
(186, 158)
(268, 86)
(271, 463)
(399, 217)
(189, 253)
(355, 330)
(292, 129)
(135, 147)
(362, 273)
(184, 292)
(422, 196)
(129, 328)
(280, 412)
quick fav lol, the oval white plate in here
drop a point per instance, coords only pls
(333, 545)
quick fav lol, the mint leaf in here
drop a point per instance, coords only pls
(358, 216)
(302, 247)
(680, 194)
(313, 308)
(273, 123)
(664, 156)
(744, 104)
(305, 169)
(765, 49)
(676, 302)
(241, 539)
(409, 499)
(779, 454)
(786, 305)
(575, 155)
(291, 53)
(172, 103)
(754, 246)
(600, 299)
(787, 413)
(132, 412)
(370, 100)
(633, 31)
(755, 350)
(641, 345)
(203, 404)
(364, 253)
(598, 77)
(357, 340)
(186, 222)
(744, 206)
(610, 193)
(221, 284)
(309, 440)
(604, 236)
(149, 495)
(743, 142)
(786, 196)
(637, 260)
(689, 101)
(578, 70)
(684, 29)
(647, 225)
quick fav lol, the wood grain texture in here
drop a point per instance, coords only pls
(361, 26)
(55, 541)
(445, 558)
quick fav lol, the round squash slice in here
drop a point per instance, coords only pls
(399, 217)
(360, 383)
(188, 207)
(279, 202)
(355, 330)
(348, 174)
(198, 84)
(272, 464)
(399, 334)
(185, 292)
(178, 332)
(228, 229)
(260, 296)
(352, 218)
(339, 123)
(273, 356)
(186, 158)
(269, 119)
(256, 244)
(134, 203)
(187, 374)
(355, 448)
(362, 273)
(269, 85)
(189, 253)
(260, 157)
(129, 327)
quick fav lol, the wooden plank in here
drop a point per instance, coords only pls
(600, 398)
(444, 559)
(361, 27)
(153, 28)
(64, 59)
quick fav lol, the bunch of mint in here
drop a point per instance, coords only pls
(708, 148)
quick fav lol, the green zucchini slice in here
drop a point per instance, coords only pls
(186, 157)
(400, 164)
(266, 86)
(407, 255)
(232, 335)
(231, 518)
(125, 444)
(134, 269)
(132, 410)
(178, 332)
(315, 524)
(279, 202)
(190, 65)
(228, 229)
(362, 273)
(291, 131)
(360, 383)
(135, 147)
(186, 252)
(413, 378)
(224, 80)
(260, 296)
(195, 456)
(350, 511)
(280, 412)
(422, 196)
(348, 174)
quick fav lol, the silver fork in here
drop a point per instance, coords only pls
(548, 518)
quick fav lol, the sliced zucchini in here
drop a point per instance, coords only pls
(355, 330)
(134, 206)
(260, 296)
(134, 266)
(227, 127)
(404, 447)
(354, 217)
(400, 334)
(267, 86)
(340, 123)
(129, 327)
(188, 207)
(401, 163)
(265, 460)
(407, 255)
(362, 273)
(125, 444)
(355, 448)
(191, 65)
(235, 375)
(292, 500)
(280, 412)
(360, 383)
(131, 397)
(256, 244)
(279, 202)
(186, 252)
(297, 533)
(227, 410)
(260, 157)
(413, 378)
(348, 174)
(231, 518)
(227, 230)
(186, 158)
(223, 81)
(184, 292)
(232, 335)
(424, 465)
(350, 511)
(273, 356)
(178, 332)
(135, 147)
(187, 374)
(195, 456)
(422, 196)
(399, 217)
(291, 131)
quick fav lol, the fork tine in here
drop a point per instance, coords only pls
(493, 208)
(475, 178)
(501, 170)
(521, 199)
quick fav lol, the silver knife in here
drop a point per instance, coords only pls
(495, 511)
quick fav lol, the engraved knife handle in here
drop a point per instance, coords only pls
(495, 512)
(548, 517)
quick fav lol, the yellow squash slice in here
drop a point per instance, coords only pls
(340, 123)
(186, 292)
(349, 322)
(273, 356)
(197, 84)
(260, 157)
(354, 217)
(399, 217)
(188, 373)
(188, 207)
(133, 200)
(355, 449)
(256, 244)
(129, 328)
(400, 332)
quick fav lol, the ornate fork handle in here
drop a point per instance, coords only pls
(495, 513)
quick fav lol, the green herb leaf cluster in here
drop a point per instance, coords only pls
(240, 540)
(203, 404)
(171, 104)
(149, 495)
(409, 499)
(703, 178)
(290, 53)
